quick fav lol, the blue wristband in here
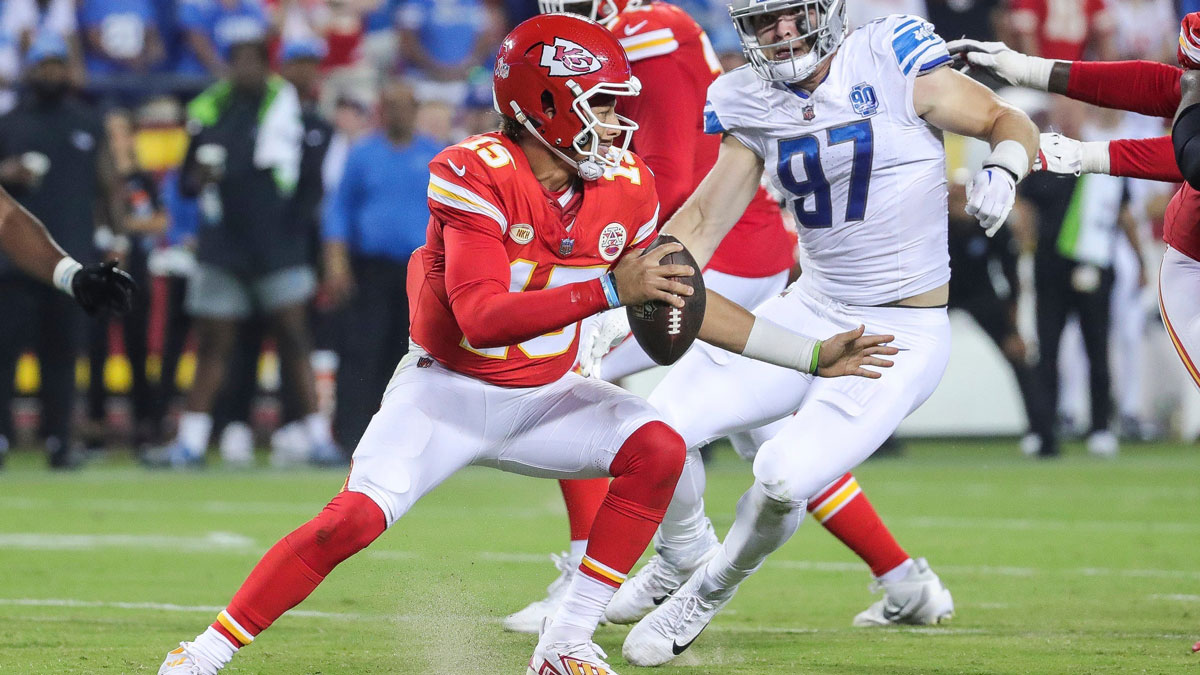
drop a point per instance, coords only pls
(609, 283)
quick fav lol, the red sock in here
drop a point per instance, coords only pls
(644, 472)
(296, 564)
(845, 511)
(583, 498)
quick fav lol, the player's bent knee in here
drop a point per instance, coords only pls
(654, 450)
(777, 475)
(347, 525)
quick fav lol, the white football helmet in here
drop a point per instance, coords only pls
(602, 11)
(822, 27)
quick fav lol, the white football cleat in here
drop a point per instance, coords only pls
(568, 658)
(1103, 443)
(918, 599)
(182, 661)
(650, 587)
(671, 628)
(529, 620)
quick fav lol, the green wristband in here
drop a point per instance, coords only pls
(815, 357)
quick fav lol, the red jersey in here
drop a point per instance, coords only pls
(1062, 27)
(675, 62)
(508, 269)
(1181, 223)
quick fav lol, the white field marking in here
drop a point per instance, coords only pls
(1178, 597)
(1038, 524)
(36, 541)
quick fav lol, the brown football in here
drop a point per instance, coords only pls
(663, 331)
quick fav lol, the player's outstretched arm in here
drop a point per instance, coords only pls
(26, 242)
(1148, 158)
(1185, 133)
(731, 327)
(1144, 87)
(719, 201)
(953, 102)
(96, 287)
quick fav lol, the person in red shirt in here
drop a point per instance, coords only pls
(530, 232)
(675, 62)
(1063, 29)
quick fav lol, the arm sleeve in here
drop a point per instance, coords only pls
(1149, 158)
(665, 146)
(1137, 86)
(477, 278)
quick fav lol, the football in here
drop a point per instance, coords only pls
(663, 331)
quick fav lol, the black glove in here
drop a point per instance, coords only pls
(103, 288)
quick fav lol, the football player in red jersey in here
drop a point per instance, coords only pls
(1148, 88)
(673, 59)
(25, 241)
(529, 233)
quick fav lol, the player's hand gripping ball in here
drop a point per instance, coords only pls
(663, 331)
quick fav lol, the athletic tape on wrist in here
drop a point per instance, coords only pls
(771, 343)
(1009, 155)
(1094, 157)
(609, 283)
(64, 274)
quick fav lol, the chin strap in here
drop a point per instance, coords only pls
(589, 169)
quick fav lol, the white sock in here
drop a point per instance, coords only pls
(318, 429)
(578, 548)
(194, 431)
(581, 610)
(897, 573)
(761, 526)
(685, 533)
(214, 650)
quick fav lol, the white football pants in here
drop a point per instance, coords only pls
(434, 421)
(1178, 294)
(838, 422)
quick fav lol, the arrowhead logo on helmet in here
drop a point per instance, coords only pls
(565, 59)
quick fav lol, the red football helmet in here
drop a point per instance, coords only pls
(604, 11)
(563, 61)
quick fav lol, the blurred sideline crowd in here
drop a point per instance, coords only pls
(259, 166)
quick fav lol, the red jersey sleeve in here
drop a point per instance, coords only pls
(466, 193)
(1149, 158)
(1142, 87)
(477, 284)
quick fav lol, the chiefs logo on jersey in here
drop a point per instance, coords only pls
(564, 58)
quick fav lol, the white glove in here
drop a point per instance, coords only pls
(990, 196)
(1001, 61)
(1059, 154)
(1063, 155)
(600, 334)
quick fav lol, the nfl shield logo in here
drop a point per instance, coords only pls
(863, 98)
(566, 246)
(809, 113)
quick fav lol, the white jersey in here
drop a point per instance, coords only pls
(864, 176)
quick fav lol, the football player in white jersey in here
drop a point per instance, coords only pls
(849, 128)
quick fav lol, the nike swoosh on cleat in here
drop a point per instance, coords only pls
(678, 649)
(659, 600)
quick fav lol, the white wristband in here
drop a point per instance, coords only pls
(1094, 157)
(1037, 73)
(64, 273)
(1011, 156)
(771, 343)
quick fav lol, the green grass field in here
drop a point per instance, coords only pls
(1075, 566)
